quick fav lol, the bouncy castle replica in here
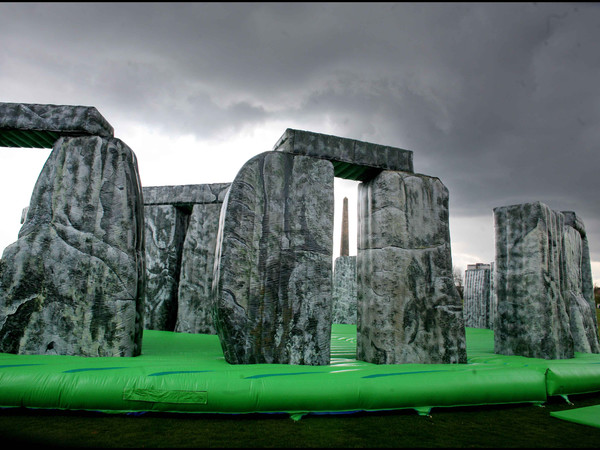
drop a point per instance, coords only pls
(220, 297)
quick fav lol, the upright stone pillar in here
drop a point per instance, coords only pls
(408, 308)
(183, 221)
(477, 299)
(166, 227)
(532, 316)
(195, 312)
(344, 277)
(578, 285)
(493, 296)
(344, 290)
(73, 283)
(272, 284)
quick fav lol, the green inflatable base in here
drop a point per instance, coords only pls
(590, 415)
(186, 373)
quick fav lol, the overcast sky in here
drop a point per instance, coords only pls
(500, 101)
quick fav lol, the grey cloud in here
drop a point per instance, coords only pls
(500, 101)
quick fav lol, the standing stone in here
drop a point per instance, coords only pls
(477, 299)
(272, 282)
(195, 312)
(183, 263)
(493, 296)
(344, 290)
(409, 310)
(532, 316)
(166, 227)
(578, 286)
(344, 278)
(73, 283)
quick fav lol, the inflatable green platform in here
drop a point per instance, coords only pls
(187, 373)
(590, 415)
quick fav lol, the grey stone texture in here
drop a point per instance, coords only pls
(409, 310)
(182, 223)
(344, 278)
(195, 308)
(493, 296)
(351, 159)
(578, 285)
(166, 228)
(272, 285)
(73, 283)
(185, 194)
(39, 126)
(344, 290)
(545, 305)
(478, 307)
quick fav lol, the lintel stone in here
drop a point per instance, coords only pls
(351, 159)
(39, 126)
(188, 194)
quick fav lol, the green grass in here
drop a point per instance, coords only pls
(504, 426)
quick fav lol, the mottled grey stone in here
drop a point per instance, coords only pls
(272, 286)
(351, 159)
(73, 283)
(478, 309)
(344, 290)
(166, 228)
(409, 310)
(493, 296)
(199, 206)
(35, 125)
(186, 194)
(578, 285)
(532, 316)
(195, 311)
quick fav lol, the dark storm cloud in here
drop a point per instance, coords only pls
(501, 101)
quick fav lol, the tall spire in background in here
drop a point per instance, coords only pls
(344, 244)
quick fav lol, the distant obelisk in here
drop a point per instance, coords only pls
(344, 244)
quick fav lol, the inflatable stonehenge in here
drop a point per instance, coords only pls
(181, 224)
(538, 294)
(73, 283)
(544, 284)
(344, 278)
(273, 270)
(99, 258)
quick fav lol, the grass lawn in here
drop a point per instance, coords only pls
(520, 425)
